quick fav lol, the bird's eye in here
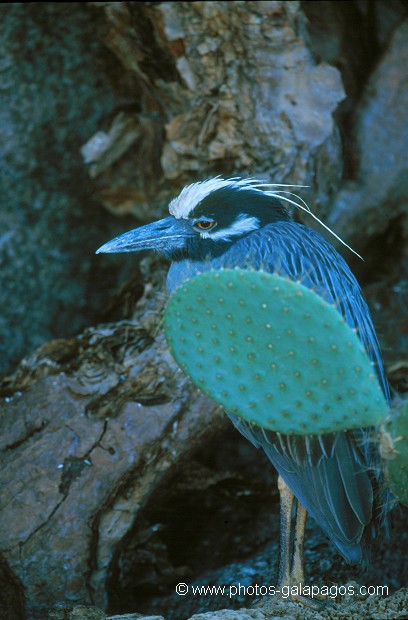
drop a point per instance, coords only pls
(205, 224)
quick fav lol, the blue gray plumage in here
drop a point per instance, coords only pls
(241, 223)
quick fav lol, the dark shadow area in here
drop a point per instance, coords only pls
(216, 510)
(12, 603)
(384, 256)
(216, 523)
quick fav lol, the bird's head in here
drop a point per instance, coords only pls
(206, 217)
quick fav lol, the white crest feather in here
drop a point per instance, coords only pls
(192, 195)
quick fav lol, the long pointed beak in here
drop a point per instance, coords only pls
(164, 235)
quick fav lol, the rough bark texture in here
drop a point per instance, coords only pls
(233, 86)
(118, 478)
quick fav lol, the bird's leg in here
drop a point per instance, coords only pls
(286, 503)
(286, 576)
(297, 574)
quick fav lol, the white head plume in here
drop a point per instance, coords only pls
(191, 196)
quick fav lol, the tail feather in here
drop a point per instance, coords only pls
(334, 486)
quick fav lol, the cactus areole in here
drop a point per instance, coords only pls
(273, 352)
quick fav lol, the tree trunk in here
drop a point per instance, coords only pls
(119, 478)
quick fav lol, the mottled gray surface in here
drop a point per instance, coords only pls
(53, 96)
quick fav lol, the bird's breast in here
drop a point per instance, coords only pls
(183, 270)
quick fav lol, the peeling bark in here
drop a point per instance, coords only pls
(87, 442)
(232, 86)
(98, 430)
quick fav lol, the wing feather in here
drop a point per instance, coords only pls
(331, 476)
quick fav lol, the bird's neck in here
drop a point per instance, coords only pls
(182, 270)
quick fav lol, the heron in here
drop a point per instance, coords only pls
(235, 222)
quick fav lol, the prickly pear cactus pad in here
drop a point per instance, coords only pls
(273, 352)
(394, 450)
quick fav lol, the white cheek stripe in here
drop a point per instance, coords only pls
(243, 224)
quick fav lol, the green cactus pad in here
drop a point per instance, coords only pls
(273, 352)
(394, 450)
